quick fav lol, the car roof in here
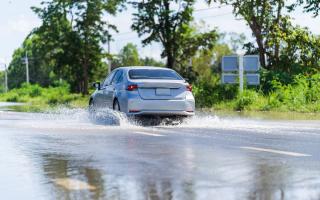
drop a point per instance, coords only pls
(143, 67)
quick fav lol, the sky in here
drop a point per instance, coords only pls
(17, 20)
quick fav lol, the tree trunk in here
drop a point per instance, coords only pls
(277, 45)
(257, 32)
(85, 79)
(170, 61)
(262, 51)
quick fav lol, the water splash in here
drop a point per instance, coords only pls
(81, 118)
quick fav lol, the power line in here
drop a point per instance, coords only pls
(197, 10)
(5, 78)
(205, 9)
(219, 15)
(130, 32)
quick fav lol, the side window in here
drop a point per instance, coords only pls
(120, 79)
(116, 77)
(108, 79)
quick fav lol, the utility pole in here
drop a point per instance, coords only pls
(109, 59)
(27, 67)
(5, 79)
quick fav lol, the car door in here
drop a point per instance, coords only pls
(110, 89)
(100, 97)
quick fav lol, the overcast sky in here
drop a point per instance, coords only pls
(17, 20)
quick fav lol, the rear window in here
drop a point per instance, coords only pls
(154, 74)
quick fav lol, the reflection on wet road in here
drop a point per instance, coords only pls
(66, 155)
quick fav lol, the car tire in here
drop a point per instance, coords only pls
(116, 105)
(91, 106)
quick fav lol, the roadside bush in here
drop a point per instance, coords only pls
(43, 98)
(12, 98)
(209, 93)
(298, 95)
(246, 99)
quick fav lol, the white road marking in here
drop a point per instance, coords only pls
(73, 184)
(149, 134)
(288, 153)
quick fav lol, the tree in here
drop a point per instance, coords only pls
(39, 66)
(2, 82)
(75, 32)
(129, 56)
(236, 41)
(168, 22)
(148, 61)
(262, 16)
(312, 6)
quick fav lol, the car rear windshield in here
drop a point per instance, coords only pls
(153, 74)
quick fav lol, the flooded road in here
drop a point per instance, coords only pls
(68, 155)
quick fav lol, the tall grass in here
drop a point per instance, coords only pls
(39, 99)
(303, 95)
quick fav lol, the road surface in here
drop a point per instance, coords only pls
(70, 155)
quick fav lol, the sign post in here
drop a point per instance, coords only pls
(241, 74)
(237, 68)
(5, 78)
(27, 67)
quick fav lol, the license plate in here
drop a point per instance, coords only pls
(163, 92)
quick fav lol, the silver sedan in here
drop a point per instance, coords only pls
(144, 91)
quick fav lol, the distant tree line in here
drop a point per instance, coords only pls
(68, 45)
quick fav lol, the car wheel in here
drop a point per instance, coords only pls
(116, 105)
(91, 106)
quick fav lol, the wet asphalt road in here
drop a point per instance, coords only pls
(66, 155)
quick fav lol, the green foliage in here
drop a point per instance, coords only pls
(304, 91)
(147, 61)
(303, 95)
(208, 94)
(245, 99)
(205, 76)
(171, 27)
(299, 52)
(44, 98)
(261, 16)
(2, 87)
(70, 40)
(310, 6)
(39, 66)
(129, 56)
(66, 52)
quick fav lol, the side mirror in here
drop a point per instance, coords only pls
(186, 79)
(97, 85)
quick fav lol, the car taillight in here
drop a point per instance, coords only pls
(134, 111)
(132, 87)
(189, 88)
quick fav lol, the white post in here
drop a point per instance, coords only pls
(109, 60)
(27, 67)
(241, 73)
(5, 78)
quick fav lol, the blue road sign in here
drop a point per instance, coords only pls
(230, 78)
(230, 63)
(237, 69)
(251, 63)
(253, 79)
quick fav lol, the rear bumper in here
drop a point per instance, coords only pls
(161, 113)
(181, 107)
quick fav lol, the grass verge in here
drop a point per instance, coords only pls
(38, 99)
